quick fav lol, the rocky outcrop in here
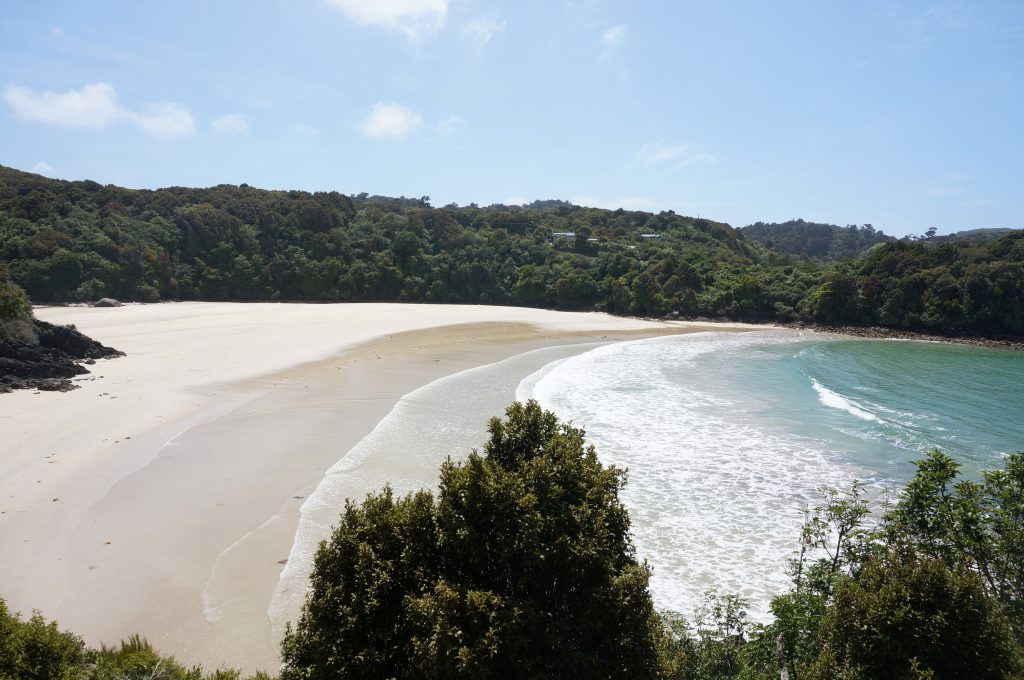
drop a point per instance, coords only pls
(50, 364)
(107, 302)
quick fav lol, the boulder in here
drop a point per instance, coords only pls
(50, 363)
(107, 302)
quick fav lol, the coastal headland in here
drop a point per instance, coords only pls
(163, 496)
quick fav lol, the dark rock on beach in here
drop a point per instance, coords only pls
(50, 364)
(884, 333)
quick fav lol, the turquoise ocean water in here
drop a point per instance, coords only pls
(727, 437)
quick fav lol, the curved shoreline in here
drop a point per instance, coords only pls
(885, 333)
(115, 529)
(446, 417)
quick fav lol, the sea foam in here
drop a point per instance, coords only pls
(447, 417)
(838, 401)
(715, 494)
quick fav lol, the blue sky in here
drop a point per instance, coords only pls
(905, 115)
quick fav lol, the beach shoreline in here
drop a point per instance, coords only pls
(119, 499)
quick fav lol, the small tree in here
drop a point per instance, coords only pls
(521, 567)
(911, 616)
(37, 649)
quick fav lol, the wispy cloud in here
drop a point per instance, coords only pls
(417, 19)
(234, 123)
(613, 37)
(944, 22)
(450, 124)
(674, 156)
(925, 28)
(96, 106)
(388, 119)
(164, 119)
(480, 31)
(515, 200)
(41, 168)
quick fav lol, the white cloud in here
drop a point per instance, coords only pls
(614, 36)
(417, 19)
(41, 168)
(95, 106)
(480, 31)
(612, 39)
(678, 155)
(231, 122)
(388, 119)
(56, 30)
(450, 124)
(164, 119)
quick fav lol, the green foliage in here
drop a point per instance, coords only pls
(816, 241)
(720, 643)
(15, 311)
(977, 526)
(949, 287)
(522, 566)
(933, 591)
(78, 241)
(908, 616)
(37, 650)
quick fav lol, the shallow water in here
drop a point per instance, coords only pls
(447, 417)
(727, 437)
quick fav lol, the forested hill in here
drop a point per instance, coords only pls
(67, 241)
(974, 236)
(814, 240)
(79, 241)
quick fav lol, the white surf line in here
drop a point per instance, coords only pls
(295, 571)
(210, 610)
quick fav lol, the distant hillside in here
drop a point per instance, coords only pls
(973, 236)
(826, 242)
(79, 241)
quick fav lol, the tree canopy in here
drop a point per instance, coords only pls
(79, 241)
(813, 240)
(521, 566)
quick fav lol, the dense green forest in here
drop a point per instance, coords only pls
(973, 236)
(521, 565)
(15, 310)
(815, 241)
(79, 241)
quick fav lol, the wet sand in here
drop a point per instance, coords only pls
(163, 498)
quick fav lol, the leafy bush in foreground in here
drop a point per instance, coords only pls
(522, 566)
(36, 649)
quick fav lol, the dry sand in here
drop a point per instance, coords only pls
(163, 496)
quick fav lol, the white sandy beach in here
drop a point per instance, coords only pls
(163, 496)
